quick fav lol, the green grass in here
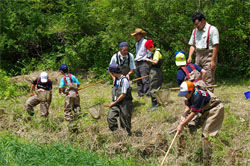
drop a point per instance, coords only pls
(15, 151)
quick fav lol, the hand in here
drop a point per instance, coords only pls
(32, 94)
(106, 105)
(146, 59)
(189, 60)
(179, 128)
(212, 65)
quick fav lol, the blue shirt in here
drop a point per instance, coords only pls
(62, 82)
(181, 74)
(198, 100)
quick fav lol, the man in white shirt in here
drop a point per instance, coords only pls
(205, 42)
(142, 66)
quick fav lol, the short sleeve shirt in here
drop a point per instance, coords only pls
(198, 100)
(201, 37)
(121, 58)
(157, 55)
(62, 82)
(40, 85)
(124, 83)
(181, 75)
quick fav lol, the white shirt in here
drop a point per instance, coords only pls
(141, 52)
(125, 83)
(131, 62)
(201, 37)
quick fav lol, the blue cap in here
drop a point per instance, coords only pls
(123, 44)
(114, 68)
(63, 67)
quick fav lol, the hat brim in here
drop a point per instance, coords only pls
(183, 93)
(180, 63)
(44, 80)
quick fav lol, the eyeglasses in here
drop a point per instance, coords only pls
(198, 24)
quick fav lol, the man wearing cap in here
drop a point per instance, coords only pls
(40, 93)
(121, 105)
(190, 72)
(142, 66)
(156, 77)
(69, 86)
(124, 59)
(211, 110)
(205, 42)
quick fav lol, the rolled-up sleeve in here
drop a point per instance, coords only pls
(215, 36)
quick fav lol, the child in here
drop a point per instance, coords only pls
(42, 87)
(69, 86)
(122, 101)
(211, 110)
(189, 71)
(155, 80)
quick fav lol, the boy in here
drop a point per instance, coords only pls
(189, 71)
(211, 110)
(122, 101)
(69, 86)
(155, 80)
(42, 87)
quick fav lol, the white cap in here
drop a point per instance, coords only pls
(44, 77)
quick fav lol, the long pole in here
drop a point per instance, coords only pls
(169, 148)
(91, 85)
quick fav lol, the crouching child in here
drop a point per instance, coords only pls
(121, 105)
(69, 86)
(211, 110)
(40, 93)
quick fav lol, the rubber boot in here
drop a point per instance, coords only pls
(155, 105)
(207, 152)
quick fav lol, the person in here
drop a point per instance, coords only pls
(69, 86)
(189, 71)
(40, 93)
(124, 59)
(142, 66)
(156, 76)
(211, 110)
(205, 42)
(121, 105)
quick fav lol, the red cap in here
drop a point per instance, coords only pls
(149, 44)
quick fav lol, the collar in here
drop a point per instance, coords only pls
(139, 42)
(121, 56)
(205, 28)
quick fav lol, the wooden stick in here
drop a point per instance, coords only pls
(144, 76)
(91, 84)
(209, 86)
(169, 148)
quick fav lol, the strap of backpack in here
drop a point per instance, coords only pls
(184, 68)
(208, 33)
(70, 78)
(37, 80)
(192, 66)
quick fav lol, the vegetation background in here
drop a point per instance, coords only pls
(42, 34)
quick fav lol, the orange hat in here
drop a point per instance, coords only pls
(186, 87)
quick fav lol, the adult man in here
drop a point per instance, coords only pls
(205, 42)
(69, 85)
(121, 105)
(42, 87)
(211, 110)
(124, 59)
(142, 66)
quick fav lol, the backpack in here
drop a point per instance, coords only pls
(70, 86)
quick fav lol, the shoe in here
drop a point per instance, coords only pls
(153, 108)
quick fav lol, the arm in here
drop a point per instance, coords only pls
(191, 52)
(129, 73)
(214, 55)
(32, 89)
(203, 73)
(120, 98)
(152, 61)
(185, 114)
(183, 123)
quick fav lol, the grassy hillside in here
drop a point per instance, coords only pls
(150, 139)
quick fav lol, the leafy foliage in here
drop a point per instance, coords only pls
(85, 33)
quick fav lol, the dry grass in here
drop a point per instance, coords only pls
(151, 136)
